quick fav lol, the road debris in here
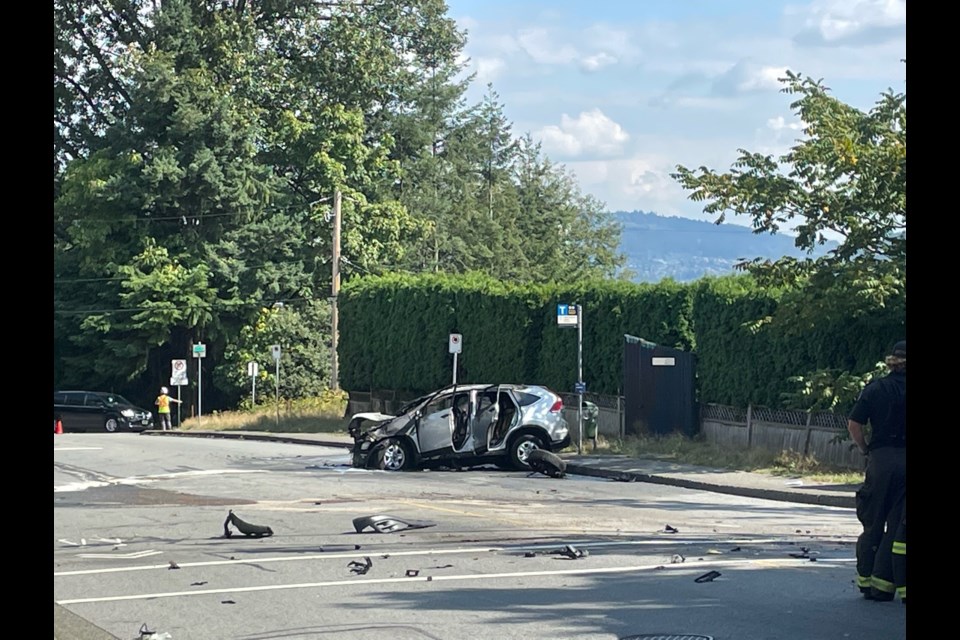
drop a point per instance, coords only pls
(198, 584)
(360, 568)
(388, 524)
(547, 463)
(413, 573)
(709, 576)
(173, 565)
(572, 552)
(677, 559)
(247, 529)
(669, 529)
(147, 634)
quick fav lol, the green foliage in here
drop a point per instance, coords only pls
(846, 177)
(305, 354)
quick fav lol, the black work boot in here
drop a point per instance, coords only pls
(880, 596)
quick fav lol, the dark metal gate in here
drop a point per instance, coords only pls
(659, 389)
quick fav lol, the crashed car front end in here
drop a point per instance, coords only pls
(366, 429)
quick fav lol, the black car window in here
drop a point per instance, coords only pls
(74, 398)
(525, 398)
(94, 400)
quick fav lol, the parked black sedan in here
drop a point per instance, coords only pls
(98, 411)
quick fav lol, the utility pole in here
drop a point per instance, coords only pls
(335, 291)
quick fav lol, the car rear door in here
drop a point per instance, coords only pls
(71, 411)
(485, 417)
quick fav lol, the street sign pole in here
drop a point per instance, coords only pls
(199, 352)
(580, 378)
(252, 370)
(178, 378)
(276, 359)
(455, 347)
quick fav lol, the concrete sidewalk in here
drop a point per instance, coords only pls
(619, 468)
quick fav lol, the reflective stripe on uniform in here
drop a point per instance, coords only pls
(902, 592)
(882, 585)
(900, 548)
(863, 582)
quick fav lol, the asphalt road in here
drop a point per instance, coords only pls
(139, 539)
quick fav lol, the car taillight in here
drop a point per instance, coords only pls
(557, 406)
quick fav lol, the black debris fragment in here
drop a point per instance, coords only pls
(361, 568)
(247, 529)
(530, 554)
(735, 549)
(227, 602)
(799, 555)
(413, 573)
(198, 584)
(669, 529)
(709, 576)
(387, 524)
(442, 566)
(572, 552)
(547, 463)
(173, 565)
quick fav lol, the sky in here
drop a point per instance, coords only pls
(620, 92)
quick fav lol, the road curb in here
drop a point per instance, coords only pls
(848, 502)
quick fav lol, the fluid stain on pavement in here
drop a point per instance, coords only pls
(127, 495)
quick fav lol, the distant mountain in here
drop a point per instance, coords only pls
(658, 247)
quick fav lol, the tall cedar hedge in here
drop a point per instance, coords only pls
(394, 332)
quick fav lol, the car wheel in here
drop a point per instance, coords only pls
(393, 456)
(111, 424)
(521, 448)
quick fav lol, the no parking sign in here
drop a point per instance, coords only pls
(179, 375)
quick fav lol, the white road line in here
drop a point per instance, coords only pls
(120, 556)
(424, 552)
(136, 480)
(462, 577)
(56, 448)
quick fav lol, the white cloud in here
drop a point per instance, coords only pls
(597, 61)
(591, 132)
(843, 22)
(779, 124)
(747, 77)
(488, 69)
(641, 182)
(538, 46)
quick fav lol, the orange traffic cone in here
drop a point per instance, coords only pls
(57, 427)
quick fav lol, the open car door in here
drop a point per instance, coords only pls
(485, 418)
(435, 425)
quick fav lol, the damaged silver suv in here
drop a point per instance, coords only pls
(462, 425)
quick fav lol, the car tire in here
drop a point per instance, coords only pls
(394, 455)
(521, 447)
(111, 424)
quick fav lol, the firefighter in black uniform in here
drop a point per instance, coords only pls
(880, 501)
